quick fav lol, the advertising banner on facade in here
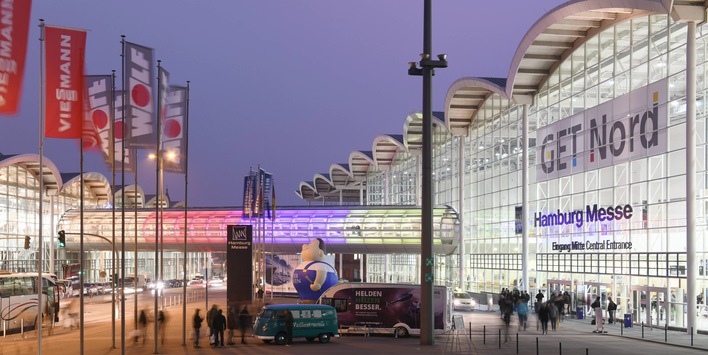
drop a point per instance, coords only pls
(632, 126)
(239, 264)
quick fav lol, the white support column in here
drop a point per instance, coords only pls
(341, 256)
(361, 268)
(361, 194)
(691, 265)
(460, 208)
(386, 189)
(418, 180)
(52, 232)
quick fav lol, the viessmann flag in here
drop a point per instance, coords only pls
(100, 111)
(14, 28)
(64, 78)
(139, 112)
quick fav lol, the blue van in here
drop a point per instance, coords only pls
(311, 321)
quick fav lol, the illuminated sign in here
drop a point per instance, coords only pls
(578, 217)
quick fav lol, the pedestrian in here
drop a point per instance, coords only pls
(522, 309)
(611, 308)
(231, 323)
(598, 315)
(244, 321)
(543, 318)
(210, 316)
(539, 300)
(552, 313)
(218, 326)
(507, 310)
(289, 322)
(197, 325)
(142, 327)
(162, 324)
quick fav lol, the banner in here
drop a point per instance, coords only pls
(118, 135)
(163, 84)
(264, 193)
(174, 129)
(64, 80)
(250, 184)
(239, 253)
(100, 111)
(139, 111)
(14, 29)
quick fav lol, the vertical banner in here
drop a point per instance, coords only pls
(119, 135)
(519, 223)
(173, 129)
(14, 30)
(64, 73)
(250, 184)
(264, 192)
(100, 112)
(139, 111)
(239, 267)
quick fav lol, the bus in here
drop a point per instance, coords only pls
(18, 299)
(386, 308)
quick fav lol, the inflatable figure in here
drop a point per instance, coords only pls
(314, 275)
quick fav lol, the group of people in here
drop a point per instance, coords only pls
(142, 331)
(217, 322)
(551, 310)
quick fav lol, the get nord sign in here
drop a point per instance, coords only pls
(632, 126)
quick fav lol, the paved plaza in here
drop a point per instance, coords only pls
(480, 336)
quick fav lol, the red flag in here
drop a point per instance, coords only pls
(64, 72)
(14, 28)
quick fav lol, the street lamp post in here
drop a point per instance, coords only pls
(427, 269)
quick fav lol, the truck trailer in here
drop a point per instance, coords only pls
(386, 308)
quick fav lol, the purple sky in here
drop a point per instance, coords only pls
(291, 85)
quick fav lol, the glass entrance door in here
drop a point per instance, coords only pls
(648, 305)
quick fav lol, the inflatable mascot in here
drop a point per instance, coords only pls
(314, 275)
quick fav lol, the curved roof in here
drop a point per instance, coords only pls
(323, 184)
(385, 147)
(340, 174)
(413, 130)
(51, 177)
(133, 193)
(554, 36)
(151, 200)
(97, 183)
(359, 162)
(307, 191)
(464, 98)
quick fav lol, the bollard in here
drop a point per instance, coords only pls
(484, 335)
(666, 333)
(560, 348)
(587, 351)
(691, 336)
(642, 330)
(622, 330)
(22, 328)
(470, 331)
(499, 338)
(536, 345)
(517, 343)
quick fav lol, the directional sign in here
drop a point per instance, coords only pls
(429, 261)
(429, 278)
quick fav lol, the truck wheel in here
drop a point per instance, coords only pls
(280, 338)
(324, 338)
(401, 332)
(310, 338)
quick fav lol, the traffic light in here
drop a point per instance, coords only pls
(27, 242)
(62, 238)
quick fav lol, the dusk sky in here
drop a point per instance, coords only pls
(292, 86)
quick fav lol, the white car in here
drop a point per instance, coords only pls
(463, 301)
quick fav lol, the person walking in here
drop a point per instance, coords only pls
(611, 308)
(522, 309)
(162, 324)
(231, 323)
(599, 322)
(210, 316)
(197, 325)
(507, 309)
(552, 313)
(539, 301)
(219, 325)
(244, 321)
(289, 322)
(543, 318)
(142, 327)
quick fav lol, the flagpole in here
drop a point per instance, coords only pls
(122, 192)
(158, 192)
(41, 182)
(186, 181)
(81, 243)
(112, 137)
(135, 243)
